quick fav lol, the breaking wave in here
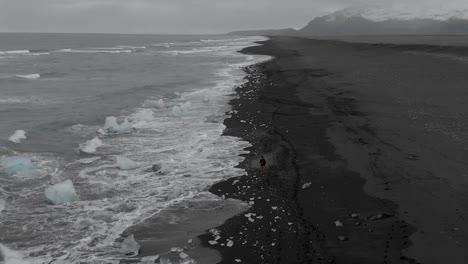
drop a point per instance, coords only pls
(29, 76)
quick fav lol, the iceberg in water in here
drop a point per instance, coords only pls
(111, 126)
(91, 145)
(61, 193)
(126, 163)
(130, 246)
(16, 164)
(17, 136)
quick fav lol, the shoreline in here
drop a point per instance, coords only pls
(292, 219)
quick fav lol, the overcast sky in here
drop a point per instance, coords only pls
(170, 16)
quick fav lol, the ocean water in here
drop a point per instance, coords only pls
(56, 91)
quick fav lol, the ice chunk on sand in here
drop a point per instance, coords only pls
(17, 136)
(306, 185)
(61, 193)
(183, 255)
(111, 126)
(126, 163)
(9, 256)
(91, 145)
(154, 104)
(130, 246)
(16, 164)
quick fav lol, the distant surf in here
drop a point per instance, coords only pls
(29, 76)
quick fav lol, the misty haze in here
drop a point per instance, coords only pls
(258, 132)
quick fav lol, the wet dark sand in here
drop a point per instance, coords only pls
(372, 130)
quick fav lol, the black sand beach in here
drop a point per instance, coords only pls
(366, 161)
(365, 150)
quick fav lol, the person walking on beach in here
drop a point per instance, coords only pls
(263, 166)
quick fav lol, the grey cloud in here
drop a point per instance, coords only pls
(169, 16)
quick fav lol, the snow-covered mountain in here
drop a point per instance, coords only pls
(391, 20)
(402, 12)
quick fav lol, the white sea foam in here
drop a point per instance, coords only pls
(91, 51)
(12, 52)
(91, 145)
(18, 136)
(29, 76)
(37, 54)
(10, 100)
(154, 103)
(2, 205)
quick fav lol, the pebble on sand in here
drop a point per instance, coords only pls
(343, 238)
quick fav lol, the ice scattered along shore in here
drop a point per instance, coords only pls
(130, 246)
(16, 164)
(111, 126)
(61, 193)
(91, 145)
(126, 163)
(17, 136)
(9, 256)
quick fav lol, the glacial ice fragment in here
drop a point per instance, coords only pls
(91, 145)
(111, 126)
(17, 136)
(61, 193)
(126, 163)
(130, 246)
(16, 164)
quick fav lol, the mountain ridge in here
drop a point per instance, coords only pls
(379, 21)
